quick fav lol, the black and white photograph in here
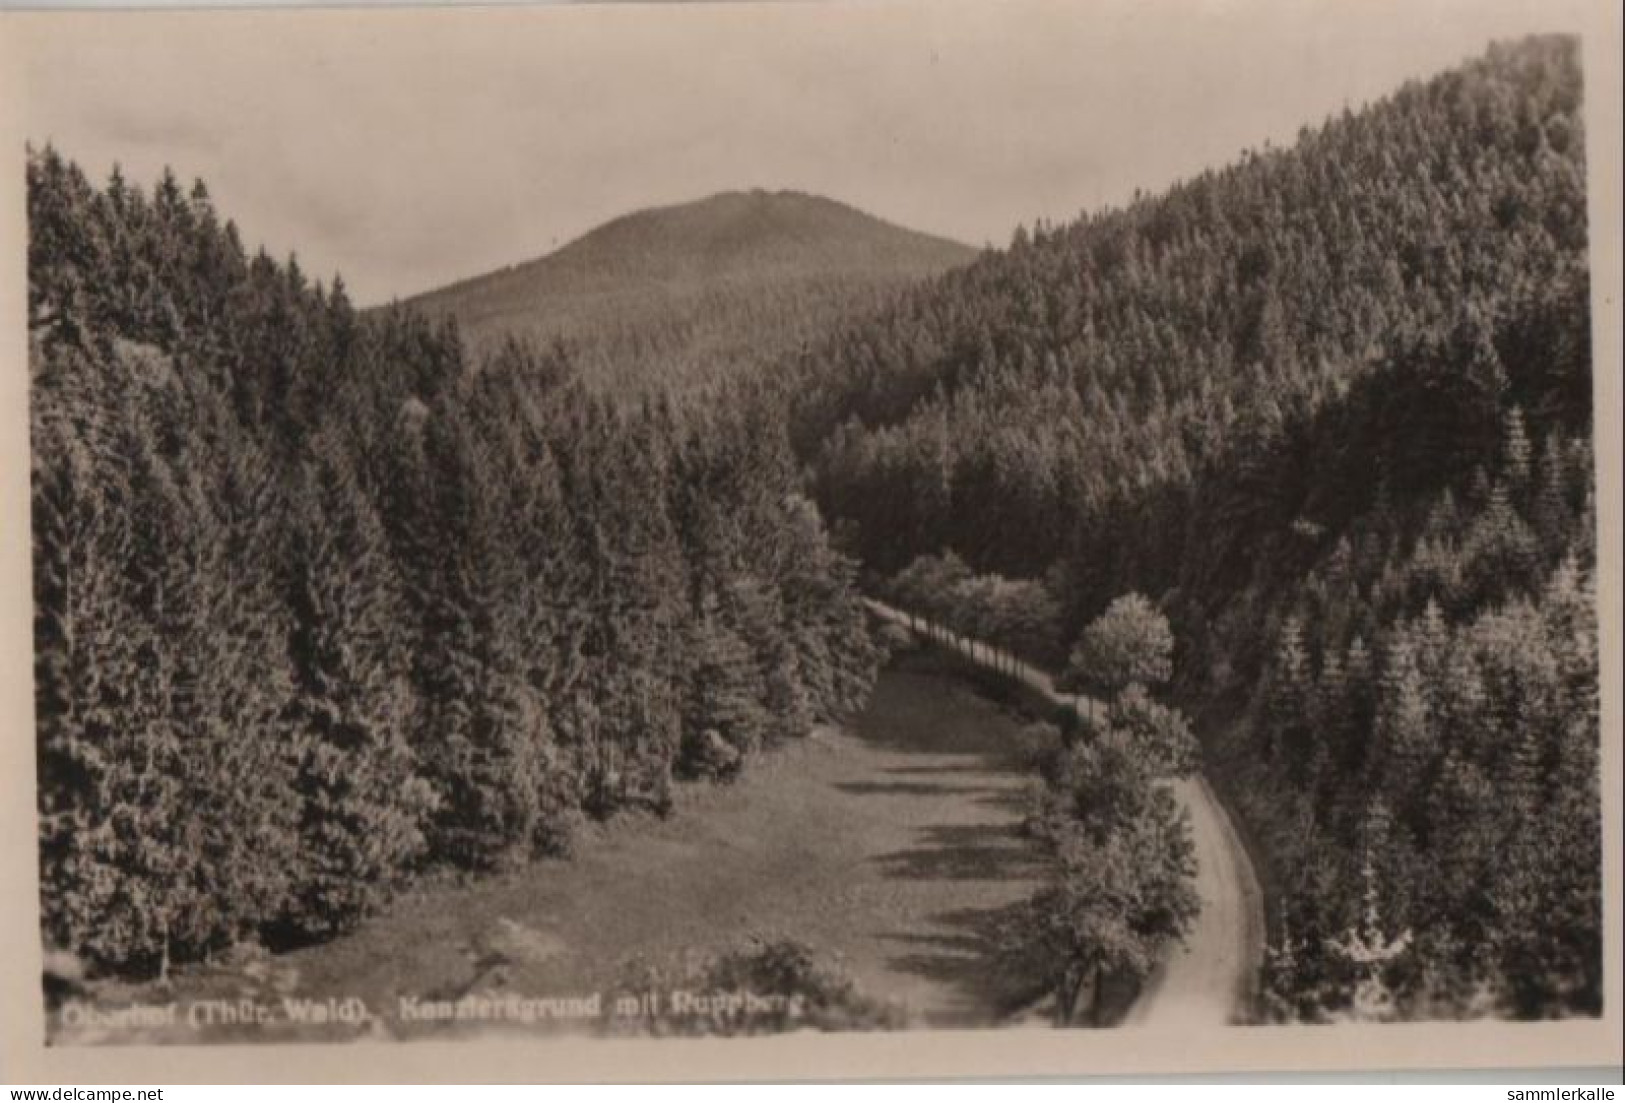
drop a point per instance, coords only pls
(1051, 522)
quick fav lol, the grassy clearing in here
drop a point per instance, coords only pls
(888, 846)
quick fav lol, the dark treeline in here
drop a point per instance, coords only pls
(1019, 616)
(1331, 409)
(320, 604)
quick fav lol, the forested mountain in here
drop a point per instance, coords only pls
(1331, 408)
(321, 602)
(693, 292)
(325, 597)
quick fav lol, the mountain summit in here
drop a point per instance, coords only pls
(750, 234)
(698, 288)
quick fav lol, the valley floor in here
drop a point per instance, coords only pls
(889, 846)
(1211, 977)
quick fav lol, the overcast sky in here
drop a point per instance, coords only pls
(410, 148)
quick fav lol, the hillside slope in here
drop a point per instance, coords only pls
(696, 290)
(1330, 407)
(320, 604)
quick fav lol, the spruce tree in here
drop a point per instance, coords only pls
(364, 806)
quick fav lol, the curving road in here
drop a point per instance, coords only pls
(1210, 979)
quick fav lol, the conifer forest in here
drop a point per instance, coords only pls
(1260, 508)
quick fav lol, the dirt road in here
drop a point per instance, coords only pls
(1212, 977)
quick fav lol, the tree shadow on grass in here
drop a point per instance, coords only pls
(1016, 802)
(965, 852)
(977, 765)
(916, 789)
(966, 958)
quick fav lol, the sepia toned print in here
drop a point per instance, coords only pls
(874, 540)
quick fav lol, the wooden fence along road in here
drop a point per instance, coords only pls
(1211, 979)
